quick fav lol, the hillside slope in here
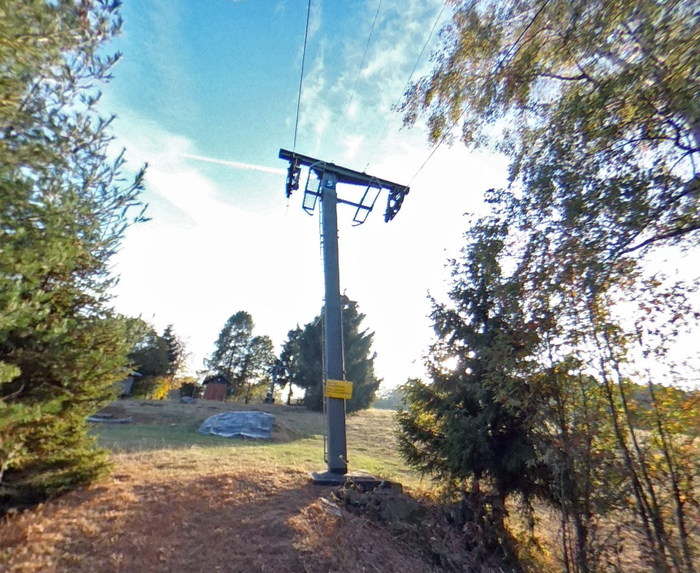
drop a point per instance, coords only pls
(179, 502)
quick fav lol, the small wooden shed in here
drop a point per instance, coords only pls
(216, 387)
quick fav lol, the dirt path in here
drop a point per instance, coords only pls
(242, 521)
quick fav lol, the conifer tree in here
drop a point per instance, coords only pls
(289, 362)
(63, 211)
(245, 360)
(359, 359)
(457, 428)
(594, 103)
(176, 351)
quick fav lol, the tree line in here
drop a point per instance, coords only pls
(247, 361)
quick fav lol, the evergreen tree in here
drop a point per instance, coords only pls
(149, 360)
(176, 352)
(359, 360)
(595, 105)
(229, 355)
(259, 362)
(149, 354)
(63, 212)
(458, 428)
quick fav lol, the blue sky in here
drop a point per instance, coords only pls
(206, 94)
(218, 80)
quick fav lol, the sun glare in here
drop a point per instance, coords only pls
(450, 363)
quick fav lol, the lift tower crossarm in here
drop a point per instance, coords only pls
(343, 174)
(397, 192)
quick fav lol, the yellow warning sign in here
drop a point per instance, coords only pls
(339, 389)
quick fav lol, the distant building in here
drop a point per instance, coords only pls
(216, 387)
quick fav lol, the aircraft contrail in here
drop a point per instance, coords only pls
(237, 164)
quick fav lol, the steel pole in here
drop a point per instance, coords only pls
(334, 367)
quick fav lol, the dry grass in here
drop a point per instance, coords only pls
(180, 502)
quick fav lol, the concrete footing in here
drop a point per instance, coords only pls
(363, 480)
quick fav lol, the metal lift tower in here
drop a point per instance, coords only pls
(321, 185)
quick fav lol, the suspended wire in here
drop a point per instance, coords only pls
(301, 79)
(439, 143)
(362, 63)
(408, 82)
(506, 56)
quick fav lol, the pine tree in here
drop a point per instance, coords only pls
(176, 352)
(63, 211)
(289, 362)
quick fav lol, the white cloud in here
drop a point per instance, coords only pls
(315, 18)
(226, 259)
(353, 145)
(236, 164)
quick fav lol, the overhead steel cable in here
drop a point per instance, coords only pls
(301, 79)
(362, 63)
(408, 82)
(506, 56)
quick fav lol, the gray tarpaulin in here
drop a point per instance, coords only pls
(239, 425)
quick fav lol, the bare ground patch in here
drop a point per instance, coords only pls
(241, 520)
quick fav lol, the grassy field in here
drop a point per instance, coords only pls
(168, 427)
(179, 502)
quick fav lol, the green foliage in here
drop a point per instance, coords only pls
(543, 402)
(288, 363)
(307, 371)
(63, 211)
(149, 354)
(245, 360)
(176, 350)
(156, 360)
(459, 427)
(148, 357)
(231, 346)
(595, 102)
